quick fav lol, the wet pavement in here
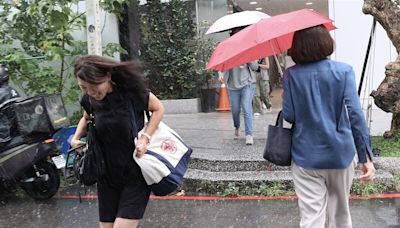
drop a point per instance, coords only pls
(64, 210)
(20, 211)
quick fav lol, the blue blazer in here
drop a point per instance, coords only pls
(321, 99)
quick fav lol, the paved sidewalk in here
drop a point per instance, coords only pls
(211, 135)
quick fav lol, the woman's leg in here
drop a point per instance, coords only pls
(234, 99)
(126, 223)
(264, 93)
(339, 183)
(133, 202)
(313, 196)
(247, 98)
(257, 99)
(106, 225)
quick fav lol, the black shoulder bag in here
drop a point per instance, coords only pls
(279, 143)
(89, 165)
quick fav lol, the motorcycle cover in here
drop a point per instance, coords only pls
(41, 115)
(32, 117)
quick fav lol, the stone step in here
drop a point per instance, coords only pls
(390, 164)
(222, 164)
(208, 182)
(233, 165)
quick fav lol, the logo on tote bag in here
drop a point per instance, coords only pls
(169, 146)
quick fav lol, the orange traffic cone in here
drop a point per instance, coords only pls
(223, 102)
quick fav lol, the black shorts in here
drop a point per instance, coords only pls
(128, 201)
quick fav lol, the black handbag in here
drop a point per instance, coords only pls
(279, 143)
(89, 165)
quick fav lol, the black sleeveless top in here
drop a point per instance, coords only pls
(113, 131)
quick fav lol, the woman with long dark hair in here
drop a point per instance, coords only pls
(109, 86)
(320, 99)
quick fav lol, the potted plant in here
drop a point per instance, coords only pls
(207, 78)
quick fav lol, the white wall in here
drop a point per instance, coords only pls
(351, 38)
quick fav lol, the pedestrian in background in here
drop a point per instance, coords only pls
(241, 86)
(8, 125)
(321, 101)
(262, 93)
(108, 87)
(6, 91)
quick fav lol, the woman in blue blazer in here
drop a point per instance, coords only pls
(320, 98)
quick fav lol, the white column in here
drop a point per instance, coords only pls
(93, 27)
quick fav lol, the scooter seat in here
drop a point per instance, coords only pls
(13, 143)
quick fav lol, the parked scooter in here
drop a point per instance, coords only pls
(30, 158)
(30, 166)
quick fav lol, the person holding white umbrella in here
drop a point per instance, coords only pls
(240, 80)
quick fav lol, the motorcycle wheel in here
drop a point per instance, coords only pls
(45, 187)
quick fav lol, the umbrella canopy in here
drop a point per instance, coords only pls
(267, 37)
(234, 20)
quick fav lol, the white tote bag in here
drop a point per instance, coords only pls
(166, 160)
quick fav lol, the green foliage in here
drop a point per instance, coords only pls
(37, 44)
(111, 48)
(389, 147)
(270, 188)
(369, 189)
(273, 188)
(285, 188)
(397, 183)
(276, 188)
(203, 51)
(231, 190)
(67, 182)
(114, 6)
(76, 116)
(169, 49)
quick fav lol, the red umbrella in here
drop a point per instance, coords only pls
(267, 37)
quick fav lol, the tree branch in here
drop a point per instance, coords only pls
(387, 13)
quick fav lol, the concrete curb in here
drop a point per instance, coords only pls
(181, 106)
(215, 183)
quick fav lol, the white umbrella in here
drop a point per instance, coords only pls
(234, 20)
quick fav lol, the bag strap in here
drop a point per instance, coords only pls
(133, 120)
(279, 120)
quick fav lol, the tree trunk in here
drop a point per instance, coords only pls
(387, 96)
(129, 30)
